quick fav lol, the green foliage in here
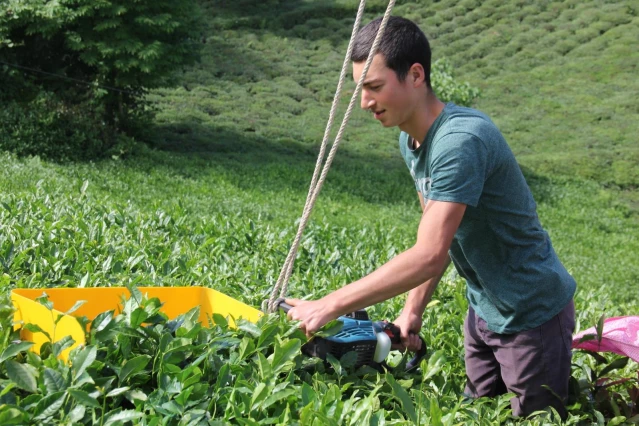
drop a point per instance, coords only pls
(447, 88)
(121, 223)
(554, 75)
(215, 204)
(128, 45)
(98, 58)
(177, 371)
(50, 128)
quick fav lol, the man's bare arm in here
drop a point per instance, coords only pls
(423, 262)
(420, 296)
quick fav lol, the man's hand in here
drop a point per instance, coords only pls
(407, 322)
(312, 314)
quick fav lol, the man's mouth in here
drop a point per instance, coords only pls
(379, 113)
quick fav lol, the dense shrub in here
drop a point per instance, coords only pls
(51, 128)
(78, 71)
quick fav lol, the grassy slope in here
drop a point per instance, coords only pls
(239, 138)
(557, 77)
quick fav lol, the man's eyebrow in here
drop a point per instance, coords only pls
(370, 82)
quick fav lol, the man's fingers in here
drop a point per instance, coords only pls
(405, 336)
(416, 342)
(412, 343)
(291, 312)
(292, 315)
(309, 333)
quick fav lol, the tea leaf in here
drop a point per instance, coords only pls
(278, 396)
(83, 283)
(349, 359)
(284, 353)
(84, 398)
(133, 366)
(260, 392)
(435, 412)
(599, 327)
(62, 344)
(53, 381)
(434, 364)
(403, 397)
(34, 328)
(14, 349)
(83, 359)
(48, 406)
(44, 301)
(614, 365)
(84, 187)
(250, 328)
(331, 328)
(77, 413)
(24, 376)
(101, 321)
(122, 416)
(117, 391)
(308, 394)
(77, 305)
(12, 416)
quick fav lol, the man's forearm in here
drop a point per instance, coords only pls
(420, 296)
(401, 274)
(425, 261)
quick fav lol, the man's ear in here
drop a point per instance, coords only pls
(416, 74)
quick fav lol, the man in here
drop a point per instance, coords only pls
(478, 212)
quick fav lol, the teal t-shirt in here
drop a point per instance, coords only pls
(515, 280)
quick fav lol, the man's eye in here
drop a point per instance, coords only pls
(376, 88)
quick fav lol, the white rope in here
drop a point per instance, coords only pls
(282, 281)
(281, 286)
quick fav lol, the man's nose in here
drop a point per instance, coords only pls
(366, 102)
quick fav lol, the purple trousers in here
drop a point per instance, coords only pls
(521, 363)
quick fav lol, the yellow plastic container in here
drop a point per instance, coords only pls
(176, 301)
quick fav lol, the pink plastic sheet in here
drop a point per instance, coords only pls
(620, 335)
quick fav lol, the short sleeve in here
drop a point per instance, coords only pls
(458, 169)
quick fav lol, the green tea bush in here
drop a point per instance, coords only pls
(470, 4)
(140, 366)
(52, 129)
(214, 203)
(171, 220)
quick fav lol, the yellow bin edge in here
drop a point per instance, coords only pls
(176, 301)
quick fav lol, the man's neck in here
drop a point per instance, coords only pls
(423, 118)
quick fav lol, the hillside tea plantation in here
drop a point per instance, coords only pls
(213, 199)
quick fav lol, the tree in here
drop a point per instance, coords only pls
(121, 48)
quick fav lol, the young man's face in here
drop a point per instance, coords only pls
(389, 99)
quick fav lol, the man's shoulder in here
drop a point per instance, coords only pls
(465, 119)
(470, 123)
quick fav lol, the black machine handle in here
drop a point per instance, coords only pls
(283, 305)
(393, 332)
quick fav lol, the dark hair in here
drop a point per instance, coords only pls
(402, 45)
